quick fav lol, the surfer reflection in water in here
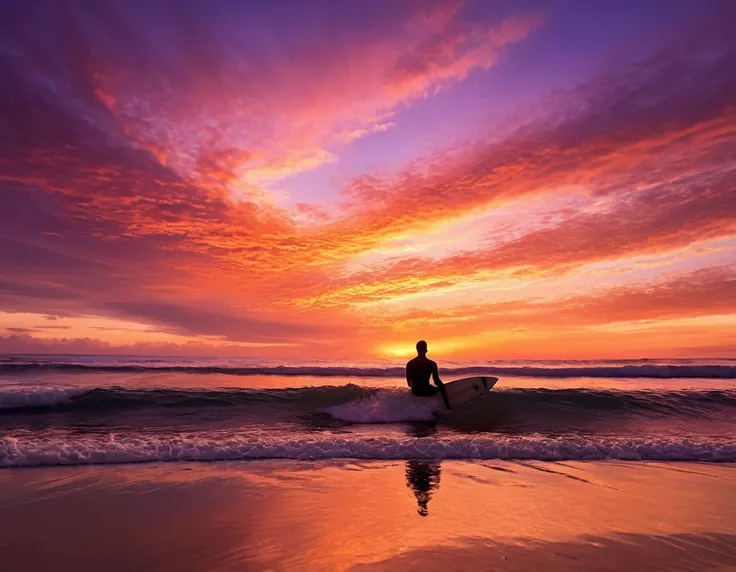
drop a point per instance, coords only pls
(418, 372)
(422, 478)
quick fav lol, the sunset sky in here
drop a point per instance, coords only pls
(337, 179)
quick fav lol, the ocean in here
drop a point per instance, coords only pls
(89, 410)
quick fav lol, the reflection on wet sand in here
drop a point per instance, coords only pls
(359, 515)
(422, 478)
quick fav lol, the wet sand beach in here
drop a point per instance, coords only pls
(374, 515)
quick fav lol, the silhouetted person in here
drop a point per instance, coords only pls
(418, 372)
(422, 478)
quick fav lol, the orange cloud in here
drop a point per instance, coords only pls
(672, 317)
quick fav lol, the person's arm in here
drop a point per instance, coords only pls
(440, 385)
(436, 377)
(408, 376)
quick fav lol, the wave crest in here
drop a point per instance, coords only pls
(358, 404)
(37, 397)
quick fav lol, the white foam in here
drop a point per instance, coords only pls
(37, 397)
(387, 406)
(30, 452)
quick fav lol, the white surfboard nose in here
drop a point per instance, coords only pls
(461, 391)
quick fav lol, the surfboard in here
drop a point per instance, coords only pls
(463, 390)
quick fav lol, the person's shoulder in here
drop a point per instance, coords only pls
(434, 363)
(411, 361)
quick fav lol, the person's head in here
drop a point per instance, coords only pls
(421, 347)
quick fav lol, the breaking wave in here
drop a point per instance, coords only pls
(516, 409)
(119, 398)
(24, 452)
(351, 401)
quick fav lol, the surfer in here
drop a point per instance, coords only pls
(418, 372)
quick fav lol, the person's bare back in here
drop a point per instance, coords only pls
(419, 371)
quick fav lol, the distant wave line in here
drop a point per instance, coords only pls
(657, 371)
